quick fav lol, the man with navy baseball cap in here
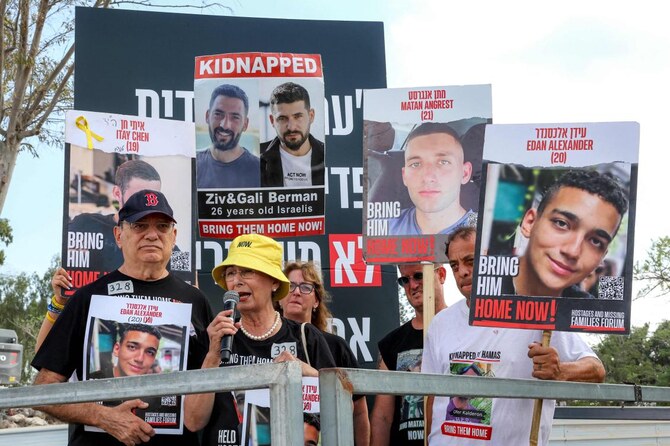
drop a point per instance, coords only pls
(145, 234)
(143, 203)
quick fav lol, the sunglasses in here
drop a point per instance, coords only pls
(417, 276)
(404, 280)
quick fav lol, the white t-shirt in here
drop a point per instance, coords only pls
(297, 169)
(454, 347)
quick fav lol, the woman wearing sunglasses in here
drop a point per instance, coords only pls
(306, 302)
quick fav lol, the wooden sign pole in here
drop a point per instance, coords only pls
(428, 314)
(537, 409)
(428, 295)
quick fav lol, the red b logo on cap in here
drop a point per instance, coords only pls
(152, 199)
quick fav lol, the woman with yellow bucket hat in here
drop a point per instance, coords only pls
(253, 270)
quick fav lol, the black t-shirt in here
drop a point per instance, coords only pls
(341, 351)
(401, 350)
(224, 428)
(62, 350)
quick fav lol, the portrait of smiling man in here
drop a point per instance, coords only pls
(136, 350)
(226, 164)
(434, 171)
(568, 234)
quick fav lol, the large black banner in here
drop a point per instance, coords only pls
(141, 63)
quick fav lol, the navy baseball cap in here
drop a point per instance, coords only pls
(143, 203)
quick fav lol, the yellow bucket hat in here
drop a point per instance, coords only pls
(256, 252)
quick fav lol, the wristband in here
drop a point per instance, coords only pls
(53, 309)
(50, 318)
(57, 305)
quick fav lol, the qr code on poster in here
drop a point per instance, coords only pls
(610, 287)
(169, 401)
(180, 261)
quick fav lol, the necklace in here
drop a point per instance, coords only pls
(265, 335)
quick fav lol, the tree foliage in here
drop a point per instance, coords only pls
(36, 68)
(639, 358)
(654, 271)
(5, 237)
(23, 304)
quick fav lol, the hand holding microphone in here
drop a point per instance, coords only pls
(230, 301)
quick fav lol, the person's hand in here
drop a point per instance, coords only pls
(222, 325)
(122, 423)
(61, 279)
(307, 370)
(546, 363)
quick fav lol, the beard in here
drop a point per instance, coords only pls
(294, 144)
(234, 139)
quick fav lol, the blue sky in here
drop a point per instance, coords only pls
(547, 62)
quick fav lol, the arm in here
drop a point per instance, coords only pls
(428, 417)
(119, 421)
(307, 370)
(547, 365)
(60, 280)
(382, 416)
(361, 423)
(198, 406)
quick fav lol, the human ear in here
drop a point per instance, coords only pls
(467, 172)
(529, 219)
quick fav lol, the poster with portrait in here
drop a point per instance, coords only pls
(422, 156)
(260, 132)
(108, 158)
(256, 414)
(132, 337)
(466, 416)
(555, 234)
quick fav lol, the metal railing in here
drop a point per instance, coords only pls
(338, 385)
(336, 389)
(283, 379)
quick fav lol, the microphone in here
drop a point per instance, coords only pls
(230, 300)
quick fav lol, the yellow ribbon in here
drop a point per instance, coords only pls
(82, 124)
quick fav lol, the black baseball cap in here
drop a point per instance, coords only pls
(143, 203)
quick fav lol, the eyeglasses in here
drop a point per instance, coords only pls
(417, 276)
(246, 273)
(305, 288)
(140, 227)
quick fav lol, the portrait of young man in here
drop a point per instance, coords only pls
(294, 158)
(568, 234)
(434, 171)
(225, 163)
(134, 353)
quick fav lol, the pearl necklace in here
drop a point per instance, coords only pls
(265, 335)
